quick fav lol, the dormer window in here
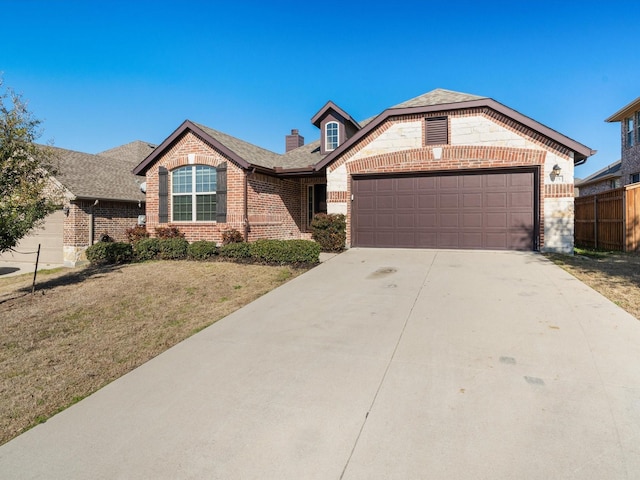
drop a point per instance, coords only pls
(332, 136)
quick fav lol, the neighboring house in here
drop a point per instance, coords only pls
(629, 118)
(442, 170)
(100, 196)
(601, 181)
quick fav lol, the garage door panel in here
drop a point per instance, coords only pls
(472, 200)
(472, 181)
(471, 239)
(406, 201)
(481, 210)
(427, 201)
(449, 200)
(496, 200)
(384, 202)
(426, 220)
(472, 220)
(406, 220)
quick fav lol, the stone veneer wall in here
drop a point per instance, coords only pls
(478, 138)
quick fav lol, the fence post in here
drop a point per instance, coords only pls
(35, 272)
(595, 222)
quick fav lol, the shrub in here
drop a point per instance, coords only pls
(330, 231)
(168, 232)
(285, 251)
(173, 248)
(137, 233)
(146, 249)
(231, 236)
(235, 251)
(108, 253)
(202, 250)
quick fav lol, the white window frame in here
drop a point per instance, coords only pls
(334, 143)
(194, 193)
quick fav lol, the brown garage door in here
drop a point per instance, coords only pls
(475, 210)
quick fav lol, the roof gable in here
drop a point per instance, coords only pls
(244, 154)
(134, 152)
(328, 107)
(431, 102)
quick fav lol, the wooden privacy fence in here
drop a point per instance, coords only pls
(609, 220)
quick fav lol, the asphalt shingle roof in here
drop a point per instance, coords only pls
(251, 153)
(98, 176)
(438, 96)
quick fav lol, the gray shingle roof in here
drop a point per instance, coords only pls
(249, 152)
(134, 152)
(98, 176)
(610, 171)
(438, 96)
(304, 156)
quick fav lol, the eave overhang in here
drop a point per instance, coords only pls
(625, 112)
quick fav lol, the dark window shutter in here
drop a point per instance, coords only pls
(437, 131)
(163, 195)
(221, 193)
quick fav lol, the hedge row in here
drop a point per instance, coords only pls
(177, 248)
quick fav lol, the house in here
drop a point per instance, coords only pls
(442, 170)
(100, 196)
(605, 179)
(629, 118)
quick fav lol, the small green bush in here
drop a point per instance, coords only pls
(146, 249)
(169, 232)
(137, 233)
(330, 231)
(109, 253)
(232, 236)
(285, 251)
(202, 250)
(235, 250)
(173, 248)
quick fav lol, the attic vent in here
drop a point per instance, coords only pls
(437, 131)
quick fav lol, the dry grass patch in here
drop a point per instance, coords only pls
(615, 275)
(85, 328)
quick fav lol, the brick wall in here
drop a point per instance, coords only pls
(630, 158)
(110, 217)
(275, 207)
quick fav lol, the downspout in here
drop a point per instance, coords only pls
(91, 222)
(245, 220)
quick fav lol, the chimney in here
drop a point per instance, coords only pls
(294, 140)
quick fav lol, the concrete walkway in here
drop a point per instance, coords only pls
(377, 364)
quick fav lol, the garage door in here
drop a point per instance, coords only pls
(475, 210)
(49, 236)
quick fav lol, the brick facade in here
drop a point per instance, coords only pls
(274, 205)
(630, 160)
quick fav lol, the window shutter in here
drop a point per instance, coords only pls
(437, 131)
(163, 195)
(221, 193)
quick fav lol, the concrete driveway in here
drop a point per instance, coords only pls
(378, 364)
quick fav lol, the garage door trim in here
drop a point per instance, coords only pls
(535, 171)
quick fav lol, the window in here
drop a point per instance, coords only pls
(629, 131)
(316, 200)
(634, 177)
(194, 194)
(331, 136)
(637, 124)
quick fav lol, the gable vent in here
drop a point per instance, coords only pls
(437, 131)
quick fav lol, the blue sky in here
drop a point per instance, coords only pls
(104, 73)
